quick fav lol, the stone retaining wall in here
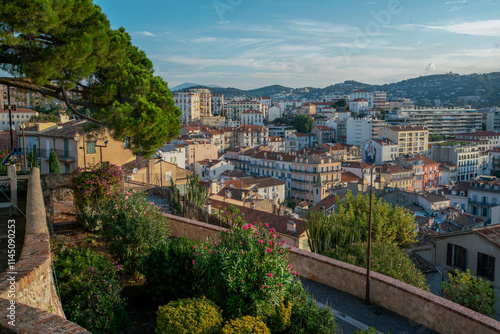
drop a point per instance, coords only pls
(429, 310)
(34, 284)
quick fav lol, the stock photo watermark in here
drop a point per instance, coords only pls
(381, 18)
(223, 6)
(11, 271)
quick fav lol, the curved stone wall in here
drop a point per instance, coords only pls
(418, 305)
(30, 282)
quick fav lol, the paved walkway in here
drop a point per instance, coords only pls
(351, 313)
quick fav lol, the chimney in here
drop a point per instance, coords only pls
(291, 226)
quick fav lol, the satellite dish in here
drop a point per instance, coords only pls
(135, 170)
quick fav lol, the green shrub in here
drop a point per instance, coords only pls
(278, 319)
(164, 264)
(245, 271)
(90, 290)
(387, 260)
(245, 325)
(54, 163)
(131, 226)
(470, 291)
(308, 318)
(189, 316)
(369, 330)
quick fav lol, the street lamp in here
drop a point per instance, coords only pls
(100, 147)
(363, 187)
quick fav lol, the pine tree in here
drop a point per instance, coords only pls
(65, 49)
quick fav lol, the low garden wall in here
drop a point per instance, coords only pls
(423, 307)
(30, 282)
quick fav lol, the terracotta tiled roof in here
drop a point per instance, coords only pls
(323, 128)
(348, 177)
(263, 181)
(421, 263)
(326, 203)
(393, 168)
(5, 139)
(237, 184)
(18, 111)
(279, 223)
(68, 130)
(139, 163)
(433, 198)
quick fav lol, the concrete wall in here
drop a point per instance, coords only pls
(420, 306)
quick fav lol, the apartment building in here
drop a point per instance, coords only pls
(466, 158)
(410, 139)
(213, 121)
(425, 172)
(378, 151)
(189, 104)
(485, 140)
(19, 116)
(205, 101)
(380, 101)
(208, 169)
(236, 108)
(276, 144)
(252, 117)
(252, 136)
(279, 130)
(298, 141)
(217, 103)
(448, 122)
(397, 176)
(359, 105)
(324, 134)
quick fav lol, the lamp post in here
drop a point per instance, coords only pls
(363, 186)
(100, 147)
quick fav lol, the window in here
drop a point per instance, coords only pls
(456, 256)
(91, 147)
(66, 167)
(486, 266)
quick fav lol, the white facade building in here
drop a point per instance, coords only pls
(250, 117)
(358, 131)
(189, 104)
(273, 113)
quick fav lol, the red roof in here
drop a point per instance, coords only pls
(348, 177)
(490, 233)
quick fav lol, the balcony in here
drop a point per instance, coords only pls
(483, 204)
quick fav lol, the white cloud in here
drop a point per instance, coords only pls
(477, 28)
(430, 68)
(143, 33)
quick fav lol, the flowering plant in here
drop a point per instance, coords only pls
(245, 271)
(94, 185)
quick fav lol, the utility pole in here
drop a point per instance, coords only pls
(24, 148)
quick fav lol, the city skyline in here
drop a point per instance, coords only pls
(243, 44)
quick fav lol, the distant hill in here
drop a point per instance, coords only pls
(478, 90)
(187, 85)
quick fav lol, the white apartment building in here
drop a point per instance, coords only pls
(209, 169)
(448, 122)
(280, 130)
(252, 136)
(380, 101)
(217, 103)
(276, 144)
(236, 108)
(189, 104)
(358, 131)
(379, 151)
(250, 117)
(359, 105)
(19, 116)
(175, 154)
(486, 140)
(273, 113)
(466, 158)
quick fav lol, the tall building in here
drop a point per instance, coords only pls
(189, 104)
(410, 139)
(466, 158)
(446, 122)
(205, 101)
(380, 101)
(217, 104)
(236, 108)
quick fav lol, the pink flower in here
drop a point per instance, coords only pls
(261, 241)
(270, 274)
(268, 286)
(241, 243)
(290, 247)
(281, 284)
(193, 261)
(281, 251)
(242, 252)
(267, 225)
(294, 272)
(194, 246)
(279, 243)
(270, 242)
(283, 242)
(269, 250)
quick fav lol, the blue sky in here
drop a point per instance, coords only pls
(253, 43)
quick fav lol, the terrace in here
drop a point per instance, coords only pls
(397, 307)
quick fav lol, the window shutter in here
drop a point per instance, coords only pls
(480, 264)
(449, 255)
(491, 269)
(464, 259)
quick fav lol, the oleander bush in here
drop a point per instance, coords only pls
(189, 316)
(245, 325)
(90, 290)
(245, 272)
(131, 225)
(168, 268)
(308, 318)
(93, 185)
